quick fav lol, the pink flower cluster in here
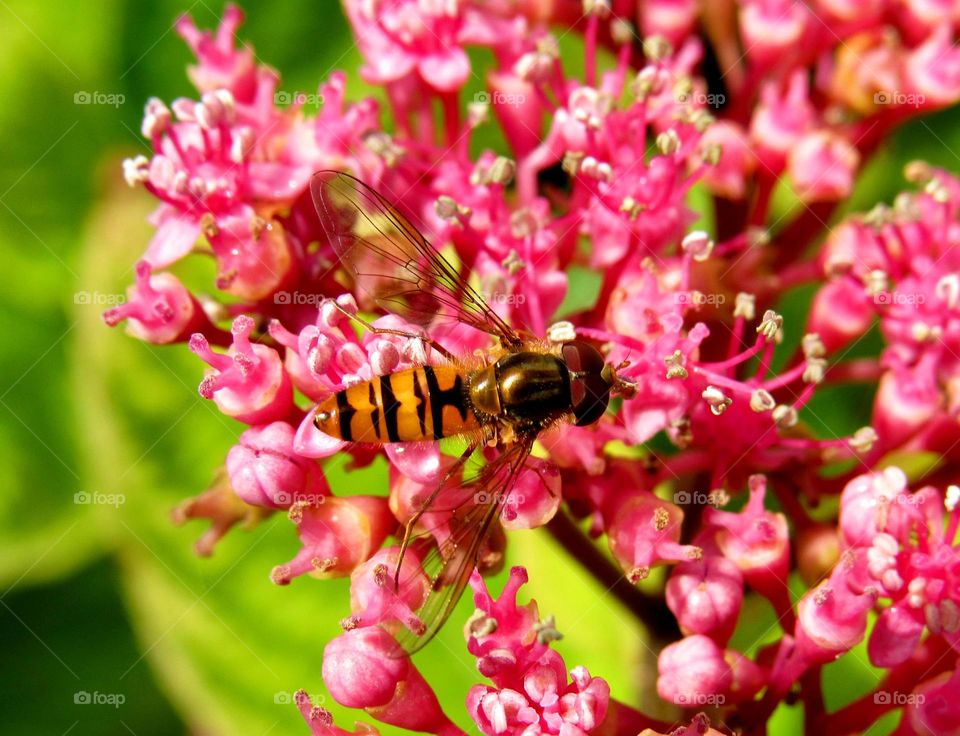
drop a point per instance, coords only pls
(599, 175)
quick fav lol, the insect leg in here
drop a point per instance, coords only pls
(408, 530)
(401, 333)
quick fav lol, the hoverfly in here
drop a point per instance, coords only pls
(505, 399)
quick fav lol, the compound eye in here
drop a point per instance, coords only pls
(589, 388)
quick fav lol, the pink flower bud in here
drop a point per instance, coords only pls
(906, 402)
(693, 673)
(822, 166)
(780, 120)
(895, 636)
(705, 596)
(818, 549)
(831, 619)
(771, 28)
(868, 506)
(518, 108)
(728, 177)
(935, 707)
(421, 462)
(366, 669)
(841, 311)
(534, 498)
(672, 19)
(933, 69)
(265, 471)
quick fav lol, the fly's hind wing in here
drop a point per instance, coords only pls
(448, 566)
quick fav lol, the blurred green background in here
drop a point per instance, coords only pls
(106, 601)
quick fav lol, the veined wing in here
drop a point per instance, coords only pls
(448, 565)
(392, 260)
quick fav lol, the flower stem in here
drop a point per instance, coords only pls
(652, 612)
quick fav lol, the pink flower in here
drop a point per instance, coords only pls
(934, 706)
(728, 177)
(645, 530)
(756, 540)
(822, 165)
(337, 534)
(403, 37)
(637, 209)
(320, 720)
(222, 66)
(364, 669)
(531, 692)
(782, 117)
(248, 382)
(695, 672)
(705, 595)
(159, 309)
(265, 471)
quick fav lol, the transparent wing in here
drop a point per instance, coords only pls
(449, 564)
(393, 262)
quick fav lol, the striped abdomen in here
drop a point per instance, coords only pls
(423, 403)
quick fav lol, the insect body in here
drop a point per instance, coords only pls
(505, 399)
(425, 403)
(523, 392)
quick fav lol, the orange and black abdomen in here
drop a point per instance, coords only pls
(425, 403)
